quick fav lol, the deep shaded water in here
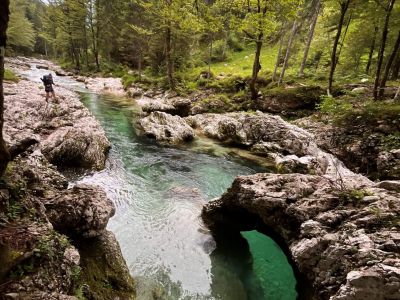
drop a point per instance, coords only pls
(159, 192)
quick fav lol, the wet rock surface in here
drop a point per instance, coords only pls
(345, 242)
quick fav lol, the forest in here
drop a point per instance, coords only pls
(173, 42)
(200, 149)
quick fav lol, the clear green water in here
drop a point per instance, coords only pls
(159, 192)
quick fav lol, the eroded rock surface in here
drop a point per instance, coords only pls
(83, 210)
(292, 148)
(346, 242)
(166, 128)
(66, 132)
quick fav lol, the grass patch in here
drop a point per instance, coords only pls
(10, 76)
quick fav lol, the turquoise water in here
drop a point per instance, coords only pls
(159, 192)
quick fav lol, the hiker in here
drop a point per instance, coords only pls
(48, 86)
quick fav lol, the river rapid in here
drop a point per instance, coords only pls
(158, 192)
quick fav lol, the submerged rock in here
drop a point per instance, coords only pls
(347, 248)
(167, 128)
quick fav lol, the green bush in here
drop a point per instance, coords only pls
(220, 51)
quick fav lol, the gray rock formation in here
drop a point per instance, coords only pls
(292, 148)
(345, 242)
(81, 211)
(166, 128)
(66, 132)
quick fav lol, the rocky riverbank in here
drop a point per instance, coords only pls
(338, 228)
(46, 228)
(342, 237)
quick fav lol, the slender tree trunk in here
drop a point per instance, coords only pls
(396, 68)
(389, 64)
(343, 9)
(310, 38)
(343, 40)
(397, 96)
(4, 17)
(288, 50)
(256, 68)
(169, 59)
(371, 50)
(382, 48)
(278, 59)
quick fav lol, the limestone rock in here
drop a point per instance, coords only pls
(65, 132)
(83, 210)
(167, 128)
(346, 249)
(76, 147)
(391, 185)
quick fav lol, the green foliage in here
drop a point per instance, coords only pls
(353, 197)
(20, 32)
(334, 106)
(10, 76)
(391, 141)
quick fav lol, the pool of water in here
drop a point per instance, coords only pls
(159, 192)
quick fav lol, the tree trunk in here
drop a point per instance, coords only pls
(310, 38)
(169, 60)
(396, 68)
(371, 51)
(278, 59)
(4, 17)
(256, 68)
(382, 48)
(389, 66)
(397, 96)
(343, 9)
(344, 38)
(287, 56)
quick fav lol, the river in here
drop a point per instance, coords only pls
(159, 192)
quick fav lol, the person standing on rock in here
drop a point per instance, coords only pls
(48, 87)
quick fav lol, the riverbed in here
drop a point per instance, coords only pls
(159, 192)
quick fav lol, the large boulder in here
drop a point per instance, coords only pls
(341, 235)
(81, 211)
(174, 106)
(105, 274)
(167, 128)
(76, 147)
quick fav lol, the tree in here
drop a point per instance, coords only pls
(344, 6)
(310, 37)
(4, 18)
(388, 67)
(260, 19)
(388, 9)
(20, 30)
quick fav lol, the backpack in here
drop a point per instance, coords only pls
(46, 80)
